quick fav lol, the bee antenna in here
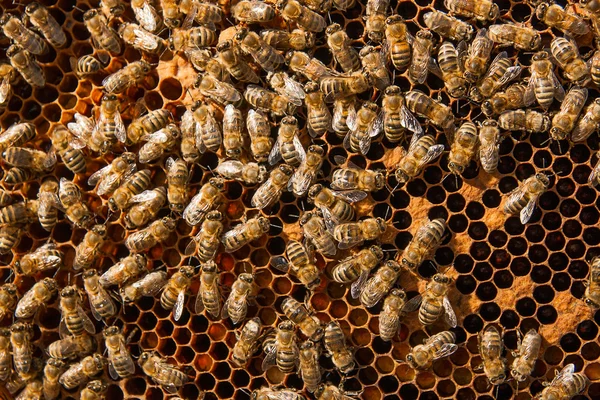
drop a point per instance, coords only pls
(246, 391)
(77, 8)
(275, 226)
(10, 274)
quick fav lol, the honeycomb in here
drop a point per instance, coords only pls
(494, 258)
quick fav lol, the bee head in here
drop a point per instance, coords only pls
(411, 361)
(241, 34)
(214, 215)
(187, 271)
(286, 325)
(541, 10)
(499, 379)
(209, 267)
(309, 38)
(31, 8)
(475, 95)
(89, 14)
(219, 183)
(169, 223)
(333, 28)
(379, 179)
(394, 19)
(381, 224)
(286, 169)
(494, 12)
(316, 149)
(540, 56)
(172, 23)
(591, 303)
(536, 41)
(89, 273)
(441, 278)
(486, 108)
(289, 120)
(377, 252)
(144, 357)
(264, 223)
(490, 122)
(233, 153)
(110, 331)
(455, 168)
(370, 106)
(226, 45)
(557, 134)
(99, 230)
(543, 179)
(314, 191)
(68, 291)
(311, 87)
(10, 288)
(305, 218)
(392, 90)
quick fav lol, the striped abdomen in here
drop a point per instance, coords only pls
(74, 322)
(289, 154)
(431, 309)
(73, 159)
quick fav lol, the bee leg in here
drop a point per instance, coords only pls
(478, 368)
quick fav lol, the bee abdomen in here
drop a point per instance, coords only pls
(74, 160)
(388, 330)
(286, 359)
(74, 324)
(447, 57)
(429, 312)
(401, 55)
(207, 248)
(168, 298)
(88, 65)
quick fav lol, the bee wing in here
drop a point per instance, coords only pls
(376, 125)
(358, 285)
(330, 220)
(414, 139)
(146, 195)
(270, 358)
(346, 141)
(145, 40)
(301, 180)
(299, 148)
(584, 127)
(351, 196)
(88, 325)
(275, 154)
(117, 79)
(420, 73)
(189, 19)
(351, 121)
(364, 144)
(178, 309)
(112, 371)
(494, 65)
(433, 152)
(235, 231)
(409, 121)
(565, 374)
(595, 173)
(267, 193)
(145, 16)
(527, 211)
(98, 175)
(434, 68)
(280, 264)
(225, 309)
(559, 91)
(229, 168)
(293, 89)
(221, 87)
(529, 95)
(351, 242)
(450, 315)
(188, 123)
(63, 331)
(510, 74)
(4, 89)
(199, 304)
(488, 153)
(413, 304)
(445, 350)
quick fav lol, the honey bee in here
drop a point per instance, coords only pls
(247, 342)
(209, 197)
(448, 26)
(72, 346)
(32, 391)
(208, 238)
(594, 65)
(24, 212)
(318, 116)
(437, 113)
(203, 13)
(490, 350)
(182, 39)
(270, 191)
(86, 65)
(314, 228)
(22, 61)
(287, 87)
(101, 303)
(72, 157)
(264, 55)
(297, 39)
(482, 11)
(21, 334)
(373, 62)
(281, 349)
(567, 57)
(153, 121)
(592, 292)
(288, 146)
(126, 269)
(342, 108)
(52, 371)
(523, 198)
(178, 176)
(236, 305)
(209, 296)
(335, 344)
(48, 203)
(375, 18)
(34, 160)
(8, 76)
(352, 234)
(39, 295)
(111, 8)
(158, 143)
(511, 99)
(43, 258)
(478, 56)
(422, 48)
(9, 298)
(376, 287)
(588, 123)
(334, 87)
(16, 382)
(424, 243)
(253, 12)
(173, 295)
(543, 85)
(301, 264)
(88, 250)
(434, 301)
(103, 36)
(393, 311)
(293, 11)
(233, 129)
(234, 63)
(44, 22)
(464, 148)
(343, 52)
(308, 366)
(5, 357)
(17, 135)
(83, 370)
(435, 347)
(94, 390)
(501, 72)
(189, 150)
(75, 209)
(109, 127)
(524, 120)
(396, 117)
(526, 355)
(120, 363)
(140, 39)
(421, 151)
(171, 13)
(489, 145)
(220, 92)
(16, 175)
(565, 385)
(22, 36)
(266, 393)
(82, 129)
(134, 185)
(306, 174)
(131, 74)
(593, 179)
(250, 173)
(309, 325)
(146, 15)
(356, 178)
(522, 38)
(452, 71)
(161, 372)
(565, 120)
(5, 198)
(158, 231)
(268, 101)
(555, 16)
(356, 268)
(148, 286)
(111, 176)
(313, 69)
(200, 126)
(364, 125)
(397, 41)
(145, 207)
(74, 320)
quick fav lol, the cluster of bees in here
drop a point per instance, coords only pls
(279, 79)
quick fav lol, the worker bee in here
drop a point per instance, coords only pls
(35, 160)
(306, 174)
(308, 365)
(41, 259)
(434, 301)
(293, 11)
(463, 148)
(8, 76)
(22, 61)
(203, 61)
(5, 198)
(313, 69)
(153, 121)
(396, 117)
(9, 298)
(74, 320)
(134, 185)
(120, 363)
(208, 293)
(114, 174)
(129, 75)
(375, 18)
(483, 11)
(335, 206)
(101, 303)
(437, 113)
(314, 228)
(21, 334)
(592, 292)
(234, 63)
(145, 207)
(588, 123)
(173, 295)
(452, 71)
(82, 129)
(185, 38)
(356, 268)
(478, 55)
(48, 204)
(17, 135)
(490, 350)
(83, 370)
(39, 295)
(489, 145)
(522, 38)
(511, 99)
(94, 390)
(171, 13)
(86, 65)
(352, 234)
(334, 87)
(397, 41)
(335, 344)
(343, 108)
(126, 269)
(146, 15)
(501, 72)
(178, 176)
(364, 125)
(72, 157)
(247, 342)
(566, 54)
(250, 173)
(594, 65)
(281, 349)
(53, 369)
(111, 8)
(109, 127)
(88, 250)
(421, 151)
(22, 36)
(566, 384)
(75, 209)
(157, 232)
(422, 48)
(297, 39)
(565, 120)
(34, 390)
(252, 12)
(555, 16)
(287, 87)
(448, 26)
(356, 178)
(233, 129)
(264, 55)
(301, 264)
(391, 314)
(161, 372)
(376, 287)
(435, 347)
(288, 146)
(200, 125)
(525, 120)
(343, 52)
(5, 356)
(158, 143)
(140, 39)
(24, 212)
(526, 355)
(245, 233)
(9, 235)
(208, 238)
(318, 116)
(266, 393)
(16, 382)
(523, 198)
(270, 191)
(543, 85)
(236, 305)
(209, 197)
(103, 36)
(424, 243)
(268, 101)
(44, 22)
(220, 92)
(72, 346)
(309, 325)
(148, 286)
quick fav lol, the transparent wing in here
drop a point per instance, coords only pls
(270, 358)
(275, 154)
(351, 196)
(199, 304)
(120, 131)
(433, 152)
(188, 123)
(351, 121)
(144, 40)
(293, 89)
(510, 74)
(235, 231)
(559, 91)
(364, 144)
(595, 173)
(584, 127)
(145, 16)
(160, 136)
(178, 309)
(494, 66)
(230, 168)
(299, 148)
(4, 89)
(450, 315)
(267, 193)
(301, 180)
(351, 242)
(146, 195)
(220, 88)
(357, 286)
(113, 372)
(413, 304)
(414, 139)
(376, 126)
(280, 264)
(112, 180)
(529, 95)
(331, 221)
(98, 175)
(346, 141)
(225, 309)
(527, 211)
(409, 121)
(63, 331)
(445, 350)
(566, 374)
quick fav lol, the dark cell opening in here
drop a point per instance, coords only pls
(503, 279)
(509, 319)
(500, 258)
(416, 188)
(489, 311)
(589, 215)
(543, 294)
(561, 281)
(478, 230)
(400, 199)
(552, 221)
(444, 256)
(562, 166)
(452, 184)
(529, 323)
(581, 174)
(565, 187)
(466, 284)
(473, 323)
(483, 271)
(572, 229)
(538, 253)
(224, 390)
(591, 236)
(517, 246)
(436, 195)
(458, 223)
(465, 394)
(389, 384)
(522, 151)
(456, 202)
(513, 226)
(433, 175)
(368, 375)
(587, 330)
(579, 153)
(590, 351)
(507, 184)
(497, 238)
(401, 220)
(547, 315)
(578, 269)
(570, 343)
(446, 388)
(569, 208)
(409, 391)
(429, 395)
(575, 248)
(548, 201)
(491, 198)
(526, 307)
(558, 261)
(506, 165)
(585, 195)
(480, 250)
(553, 355)
(541, 274)
(486, 291)
(463, 263)
(222, 370)
(438, 212)
(520, 266)
(524, 171)
(427, 269)
(505, 391)
(380, 346)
